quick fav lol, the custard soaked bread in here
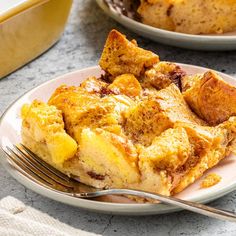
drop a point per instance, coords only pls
(157, 112)
(190, 16)
(45, 125)
(132, 127)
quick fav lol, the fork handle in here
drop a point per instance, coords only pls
(187, 205)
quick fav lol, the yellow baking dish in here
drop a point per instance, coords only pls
(28, 28)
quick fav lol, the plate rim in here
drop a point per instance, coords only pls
(97, 206)
(112, 13)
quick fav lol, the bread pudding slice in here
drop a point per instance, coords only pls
(133, 128)
(190, 16)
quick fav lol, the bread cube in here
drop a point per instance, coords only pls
(121, 56)
(44, 124)
(213, 99)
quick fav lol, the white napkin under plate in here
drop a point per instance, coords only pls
(17, 219)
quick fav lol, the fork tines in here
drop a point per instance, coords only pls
(30, 165)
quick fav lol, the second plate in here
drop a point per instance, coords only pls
(223, 42)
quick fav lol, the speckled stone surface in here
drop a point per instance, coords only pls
(80, 47)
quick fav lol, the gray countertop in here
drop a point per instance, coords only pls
(80, 47)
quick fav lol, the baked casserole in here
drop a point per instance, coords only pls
(143, 124)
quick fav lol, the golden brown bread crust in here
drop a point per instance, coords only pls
(82, 109)
(213, 99)
(156, 113)
(121, 56)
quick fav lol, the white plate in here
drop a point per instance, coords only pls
(215, 42)
(10, 126)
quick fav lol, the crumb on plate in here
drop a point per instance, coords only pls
(210, 180)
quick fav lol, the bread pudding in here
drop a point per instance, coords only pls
(190, 16)
(143, 124)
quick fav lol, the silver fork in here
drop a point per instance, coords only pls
(31, 166)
